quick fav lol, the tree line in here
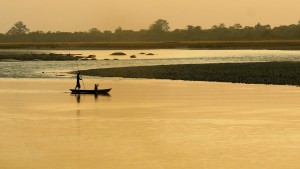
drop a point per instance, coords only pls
(158, 31)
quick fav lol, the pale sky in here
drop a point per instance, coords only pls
(81, 15)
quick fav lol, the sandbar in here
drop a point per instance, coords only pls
(278, 73)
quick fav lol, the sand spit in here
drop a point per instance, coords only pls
(278, 73)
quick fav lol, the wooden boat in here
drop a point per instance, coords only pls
(96, 91)
(99, 91)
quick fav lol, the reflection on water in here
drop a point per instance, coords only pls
(78, 97)
(96, 96)
(78, 122)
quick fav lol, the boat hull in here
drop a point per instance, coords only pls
(100, 91)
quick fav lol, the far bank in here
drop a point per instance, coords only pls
(199, 45)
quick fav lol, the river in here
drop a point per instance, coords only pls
(59, 69)
(149, 124)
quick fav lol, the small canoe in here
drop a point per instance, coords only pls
(100, 91)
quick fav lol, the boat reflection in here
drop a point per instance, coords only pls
(96, 96)
(78, 98)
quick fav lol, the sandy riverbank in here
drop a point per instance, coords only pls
(278, 73)
(148, 124)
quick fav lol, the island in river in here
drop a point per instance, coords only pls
(277, 73)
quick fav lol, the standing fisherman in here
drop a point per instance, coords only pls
(96, 88)
(78, 81)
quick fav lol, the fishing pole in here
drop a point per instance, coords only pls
(78, 71)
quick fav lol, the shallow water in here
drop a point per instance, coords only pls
(148, 124)
(58, 69)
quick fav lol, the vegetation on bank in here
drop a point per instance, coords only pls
(278, 73)
(37, 56)
(158, 31)
(272, 45)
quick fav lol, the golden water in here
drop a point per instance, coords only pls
(149, 124)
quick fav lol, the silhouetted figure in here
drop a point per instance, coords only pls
(78, 81)
(96, 88)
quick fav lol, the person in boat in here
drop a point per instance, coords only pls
(96, 87)
(78, 81)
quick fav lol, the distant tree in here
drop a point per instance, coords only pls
(118, 30)
(263, 32)
(18, 29)
(158, 31)
(198, 28)
(192, 32)
(222, 26)
(118, 33)
(215, 27)
(190, 28)
(236, 26)
(262, 27)
(107, 32)
(36, 32)
(257, 26)
(160, 25)
(94, 31)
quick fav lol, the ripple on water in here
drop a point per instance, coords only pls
(59, 69)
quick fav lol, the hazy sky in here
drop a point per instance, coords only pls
(81, 15)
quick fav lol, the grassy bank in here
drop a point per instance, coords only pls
(282, 45)
(36, 56)
(279, 73)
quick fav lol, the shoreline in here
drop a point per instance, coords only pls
(193, 45)
(269, 73)
(15, 56)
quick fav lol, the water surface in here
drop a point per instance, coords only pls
(148, 124)
(58, 69)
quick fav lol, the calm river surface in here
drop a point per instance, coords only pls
(149, 124)
(58, 69)
(146, 124)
